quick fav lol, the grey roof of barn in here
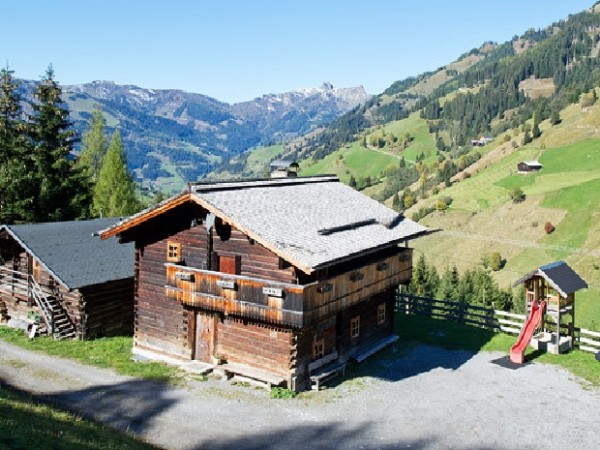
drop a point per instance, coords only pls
(283, 164)
(559, 275)
(311, 222)
(73, 252)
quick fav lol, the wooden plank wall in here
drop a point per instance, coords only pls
(161, 324)
(109, 309)
(258, 346)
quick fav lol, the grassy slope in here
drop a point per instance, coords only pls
(482, 219)
(353, 159)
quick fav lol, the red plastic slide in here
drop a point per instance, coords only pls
(517, 351)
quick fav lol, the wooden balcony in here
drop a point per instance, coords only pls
(284, 303)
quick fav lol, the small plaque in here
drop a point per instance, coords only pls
(328, 287)
(273, 292)
(184, 276)
(226, 284)
(383, 266)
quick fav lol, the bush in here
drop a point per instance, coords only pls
(496, 262)
(279, 392)
(548, 227)
(517, 195)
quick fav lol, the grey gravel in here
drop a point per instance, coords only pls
(423, 398)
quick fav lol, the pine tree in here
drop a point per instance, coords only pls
(114, 193)
(94, 146)
(15, 163)
(62, 190)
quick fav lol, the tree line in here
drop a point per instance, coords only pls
(40, 178)
(474, 287)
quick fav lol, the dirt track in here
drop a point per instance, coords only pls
(428, 398)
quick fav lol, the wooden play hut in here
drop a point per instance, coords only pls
(556, 284)
(280, 280)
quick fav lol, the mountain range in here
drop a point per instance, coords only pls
(172, 137)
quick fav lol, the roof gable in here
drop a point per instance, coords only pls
(310, 222)
(73, 253)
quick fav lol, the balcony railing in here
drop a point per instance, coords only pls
(285, 303)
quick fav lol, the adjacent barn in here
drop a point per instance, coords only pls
(280, 280)
(60, 278)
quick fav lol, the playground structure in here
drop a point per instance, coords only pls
(550, 300)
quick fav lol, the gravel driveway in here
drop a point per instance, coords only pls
(426, 398)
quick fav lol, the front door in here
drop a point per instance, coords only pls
(204, 337)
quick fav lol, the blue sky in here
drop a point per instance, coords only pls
(237, 50)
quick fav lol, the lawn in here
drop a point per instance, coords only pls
(26, 423)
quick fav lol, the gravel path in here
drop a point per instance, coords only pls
(427, 398)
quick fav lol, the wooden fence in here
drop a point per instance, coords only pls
(484, 317)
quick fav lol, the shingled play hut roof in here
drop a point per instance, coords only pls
(311, 222)
(558, 275)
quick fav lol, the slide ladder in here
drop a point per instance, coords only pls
(517, 351)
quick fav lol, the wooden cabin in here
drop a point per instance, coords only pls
(281, 168)
(556, 284)
(529, 166)
(61, 279)
(281, 280)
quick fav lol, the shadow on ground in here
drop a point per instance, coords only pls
(320, 437)
(129, 406)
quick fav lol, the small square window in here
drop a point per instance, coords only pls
(355, 327)
(381, 314)
(319, 349)
(173, 251)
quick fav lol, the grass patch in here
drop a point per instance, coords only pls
(114, 353)
(26, 423)
(461, 337)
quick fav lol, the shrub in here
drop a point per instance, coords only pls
(496, 262)
(548, 227)
(279, 392)
(517, 195)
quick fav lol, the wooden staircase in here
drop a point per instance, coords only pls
(57, 321)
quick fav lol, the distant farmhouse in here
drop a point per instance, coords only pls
(281, 280)
(483, 140)
(282, 168)
(61, 279)
(529, 166)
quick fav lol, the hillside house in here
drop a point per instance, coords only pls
(61, 279)
(281, 168)
(281, 280)
(529, 166)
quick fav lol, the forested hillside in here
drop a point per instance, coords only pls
(443, 148)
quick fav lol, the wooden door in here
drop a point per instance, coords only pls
(204, 337)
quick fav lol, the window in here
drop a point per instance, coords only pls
(319, 349)
(173, 251)
(381, 314)
(355, 327)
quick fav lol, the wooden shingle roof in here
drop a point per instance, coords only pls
(312, 222)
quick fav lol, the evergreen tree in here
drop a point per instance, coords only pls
(62, 191)
(93, 146)
(15, 162)
(114, 193)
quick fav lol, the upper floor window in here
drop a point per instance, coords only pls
(381, 314)
(173, 251)
(355, 327)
